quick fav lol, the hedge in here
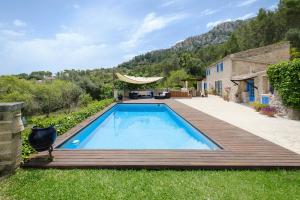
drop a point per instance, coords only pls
(62, 122)
(285, 78)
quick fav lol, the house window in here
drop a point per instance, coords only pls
(207, 72)
(221, 66)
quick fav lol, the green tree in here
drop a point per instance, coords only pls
(232, 45)
(289, 10)
(39, 75)
(70, 95)
(293, 35)
(175, 78)
(85, 99)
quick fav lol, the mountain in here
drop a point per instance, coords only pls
(217, 35)
(168, 59)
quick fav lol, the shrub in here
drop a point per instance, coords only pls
(61, 122)
(285, 78)
(85, 99)
(295, 53)
(39, 97)
(270, 111)
(212, 91)
(258, 106)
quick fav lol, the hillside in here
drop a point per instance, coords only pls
(219, 34)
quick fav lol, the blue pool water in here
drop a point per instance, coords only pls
(139, 126)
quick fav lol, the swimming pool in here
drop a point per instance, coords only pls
(139, 126)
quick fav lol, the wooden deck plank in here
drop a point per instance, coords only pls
(240, 149)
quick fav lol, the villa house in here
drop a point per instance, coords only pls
(243, 75)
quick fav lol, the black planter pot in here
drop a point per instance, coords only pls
(42, 139)
(120, 97)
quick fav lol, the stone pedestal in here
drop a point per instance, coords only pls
(10, 137)
(293, 114)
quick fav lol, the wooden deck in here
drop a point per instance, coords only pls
(240, 149)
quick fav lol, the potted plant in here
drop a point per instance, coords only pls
(269, 111)
(227, 91)
(42, 139)
(258, 106)
(120, 97)
(237, 97)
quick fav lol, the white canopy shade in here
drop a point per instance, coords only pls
(138, 80)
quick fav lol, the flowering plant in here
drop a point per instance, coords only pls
(226, 96)
(227, 89)
(270, 111)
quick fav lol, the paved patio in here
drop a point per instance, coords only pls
(278, 130)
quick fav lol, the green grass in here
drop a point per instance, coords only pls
(144, 184)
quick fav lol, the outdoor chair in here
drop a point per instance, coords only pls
(164, 95)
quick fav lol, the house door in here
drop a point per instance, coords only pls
(218, 87)
(250, 90)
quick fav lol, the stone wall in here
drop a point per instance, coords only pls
(283, 110)
(10, 137)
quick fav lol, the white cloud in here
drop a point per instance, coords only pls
(215, 23)
(247, 16)
(168, 3)
(208, 12)
(7, 33)
(63, 50)
(76, 6)
(151, 23)
(96, 36)
(79, 43)
(19, 23)
(273, 7)
(246, 3)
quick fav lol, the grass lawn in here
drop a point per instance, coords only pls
(145, 184)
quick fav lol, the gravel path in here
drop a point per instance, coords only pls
(278, 130)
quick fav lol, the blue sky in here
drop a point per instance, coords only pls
(55, 35)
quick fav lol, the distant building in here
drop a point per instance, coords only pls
(243, 74)
(45, 79)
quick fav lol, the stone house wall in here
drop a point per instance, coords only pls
(270, 54)
(224, 76)
(247, 62)
(240, 67)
